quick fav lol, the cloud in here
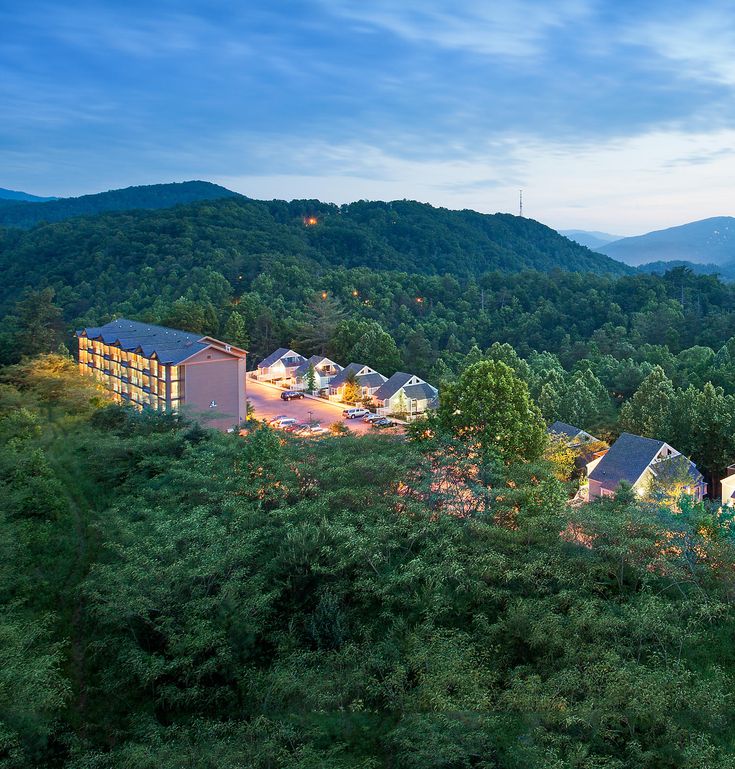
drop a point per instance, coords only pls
(489, 28)
(699, 37)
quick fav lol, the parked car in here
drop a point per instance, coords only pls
(273, 420)
(355, 413)
(296, 427)
(372, 418)
(315, 430)
(383, 422)
(289, 395)
(285, 422)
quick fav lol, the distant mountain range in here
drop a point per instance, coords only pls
(590, 238)
(709, 241)
(14, 196)
(154, 196)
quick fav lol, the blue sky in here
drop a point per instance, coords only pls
(615, 116)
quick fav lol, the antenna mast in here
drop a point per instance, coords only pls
(520, 204)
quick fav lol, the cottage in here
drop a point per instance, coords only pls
(574, 437)
(324, 372)
(405, 394)
(728, 487)
(280, 366)
(637, 461)
(367, 379)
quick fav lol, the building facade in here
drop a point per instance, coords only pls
(167, 370)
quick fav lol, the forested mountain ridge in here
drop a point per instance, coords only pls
(151, 196)
(708, 241)
(225, 234)
(14, 196)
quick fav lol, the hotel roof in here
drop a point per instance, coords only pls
(169, 345)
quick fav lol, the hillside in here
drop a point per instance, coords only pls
(709, 241)
(16, 196)
(153, 196)
(590, 238)
(225, 234)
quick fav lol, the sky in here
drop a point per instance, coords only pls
(613, 115)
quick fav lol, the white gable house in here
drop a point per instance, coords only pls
(279, 366)
(405, 394)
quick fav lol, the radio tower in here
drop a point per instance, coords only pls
(520, 204)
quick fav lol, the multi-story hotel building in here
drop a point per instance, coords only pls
(168, 370)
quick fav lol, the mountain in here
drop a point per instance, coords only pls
(660, 268)
(590, 238)
(403, 235)
(709, 241)
(15, 196)
(149, 197)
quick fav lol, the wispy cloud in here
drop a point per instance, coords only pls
(489, 28)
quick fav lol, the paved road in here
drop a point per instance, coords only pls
(267, 404)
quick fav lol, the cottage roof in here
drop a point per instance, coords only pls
(281, 352)
(562, 428)
(352, 368)
(694, 473)
(370, 380)
(626, 460)
(393, 385)
(170, 345)
(315, 361)
(420, 392)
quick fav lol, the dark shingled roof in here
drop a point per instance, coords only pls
(169, 344)
(314, 361)
(353, 368)
(393, 385)
(694, 473)
(626, 460)
(562, 428)
(370, 380)
(277, 355)
(419, 392)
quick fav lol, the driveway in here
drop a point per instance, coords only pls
(267, 404)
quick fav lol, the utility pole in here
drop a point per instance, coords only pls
(520, 203)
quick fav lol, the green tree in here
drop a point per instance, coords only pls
(367, 342)
(235, 331)
(39, 323)
(351, 391)
(489, 406)
(648, 412)
(310, 379)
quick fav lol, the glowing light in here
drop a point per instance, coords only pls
(355, 293)
(419, 299)
(310, 221)
(324, 294)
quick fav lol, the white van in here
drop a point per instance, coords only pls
(355, 413)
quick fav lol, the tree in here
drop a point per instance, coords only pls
(670, 482)
(310, 379)
(490, 406)
(367, 342)
(351, 391)
(39, 323)
(648, 412)
(401, 406)
(315, 333)
(235, 331)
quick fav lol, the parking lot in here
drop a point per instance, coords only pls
(268, 404)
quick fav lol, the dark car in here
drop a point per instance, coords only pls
(384, 422)
(289, 395)
(297, 427)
